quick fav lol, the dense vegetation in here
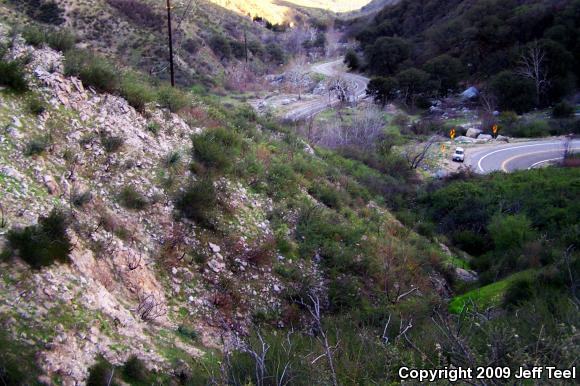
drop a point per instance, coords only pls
(509, 222)
(440, 44)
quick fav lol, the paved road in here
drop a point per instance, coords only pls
(527, 155)
(311, 108)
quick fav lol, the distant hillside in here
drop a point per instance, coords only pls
(208, 37)
(475, 40)
(286, 11)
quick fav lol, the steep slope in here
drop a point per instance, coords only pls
(153, 273)
(136, 32)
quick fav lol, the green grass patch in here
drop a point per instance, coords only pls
(487, 296)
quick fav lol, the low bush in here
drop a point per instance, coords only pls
(130, 198)
(282, 181)
(198, 202)
(33, 35)
(37, 146)
(35, 105)
(42, 244)
(61, 40)
(12, 76)
(529, 129)
(518, 292)
(216, 149)
(101, 374)
(92, 69)
(111, 143)
(135, 371)
(563, 110)
(172, 98)
(136, 91)
(81, 199)
(187, 332)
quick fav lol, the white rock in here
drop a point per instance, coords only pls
(214, 248)
(473, 132)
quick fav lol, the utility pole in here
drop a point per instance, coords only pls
(246, 43)
(170, 43)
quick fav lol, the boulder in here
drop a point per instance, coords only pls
(484, 137)
(473, 132)
(502, 138)
(51, 185)
(463, 139)
(470, 93)
(216, 266)
(465, 275)
(214, 248)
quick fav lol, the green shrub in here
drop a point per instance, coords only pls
(92, 69)
(137, 92)
(42, 244)
(81, 199)
(153, 128)
(510, 231)
(563, 110)
(130, 198)
(518, 292)
(220, 46)
(33, 35)
(17, 362)
(187, 332)
(111, 143)
(328, 195)
(134, 370)
(101, 374)
(12, 76)
(37, 146)
(216, 149)
(35, 105)
(172, 98)
(172, 159)
(61, 40)
(282, 181)
(198, 202)
(529, 129)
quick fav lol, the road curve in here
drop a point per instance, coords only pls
(520, 156)
(310, 109)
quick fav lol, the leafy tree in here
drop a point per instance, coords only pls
(275, 53)
(514, 92)
(382, 89)
(510, 231)
(445, 71)
(563, 110)
(386, 54)
(412, 82)
(352, 60)
(42, 244)
(220, 46)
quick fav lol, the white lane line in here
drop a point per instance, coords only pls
(543, 162)
(512, 148)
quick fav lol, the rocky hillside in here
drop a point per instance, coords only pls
(208, 38)
(175, 254)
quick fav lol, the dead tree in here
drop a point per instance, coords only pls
(134, 259)
(416, 153)
(531, 66)
(298, 73)
(150, 308)
(314, 309)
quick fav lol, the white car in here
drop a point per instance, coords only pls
(459, 155)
